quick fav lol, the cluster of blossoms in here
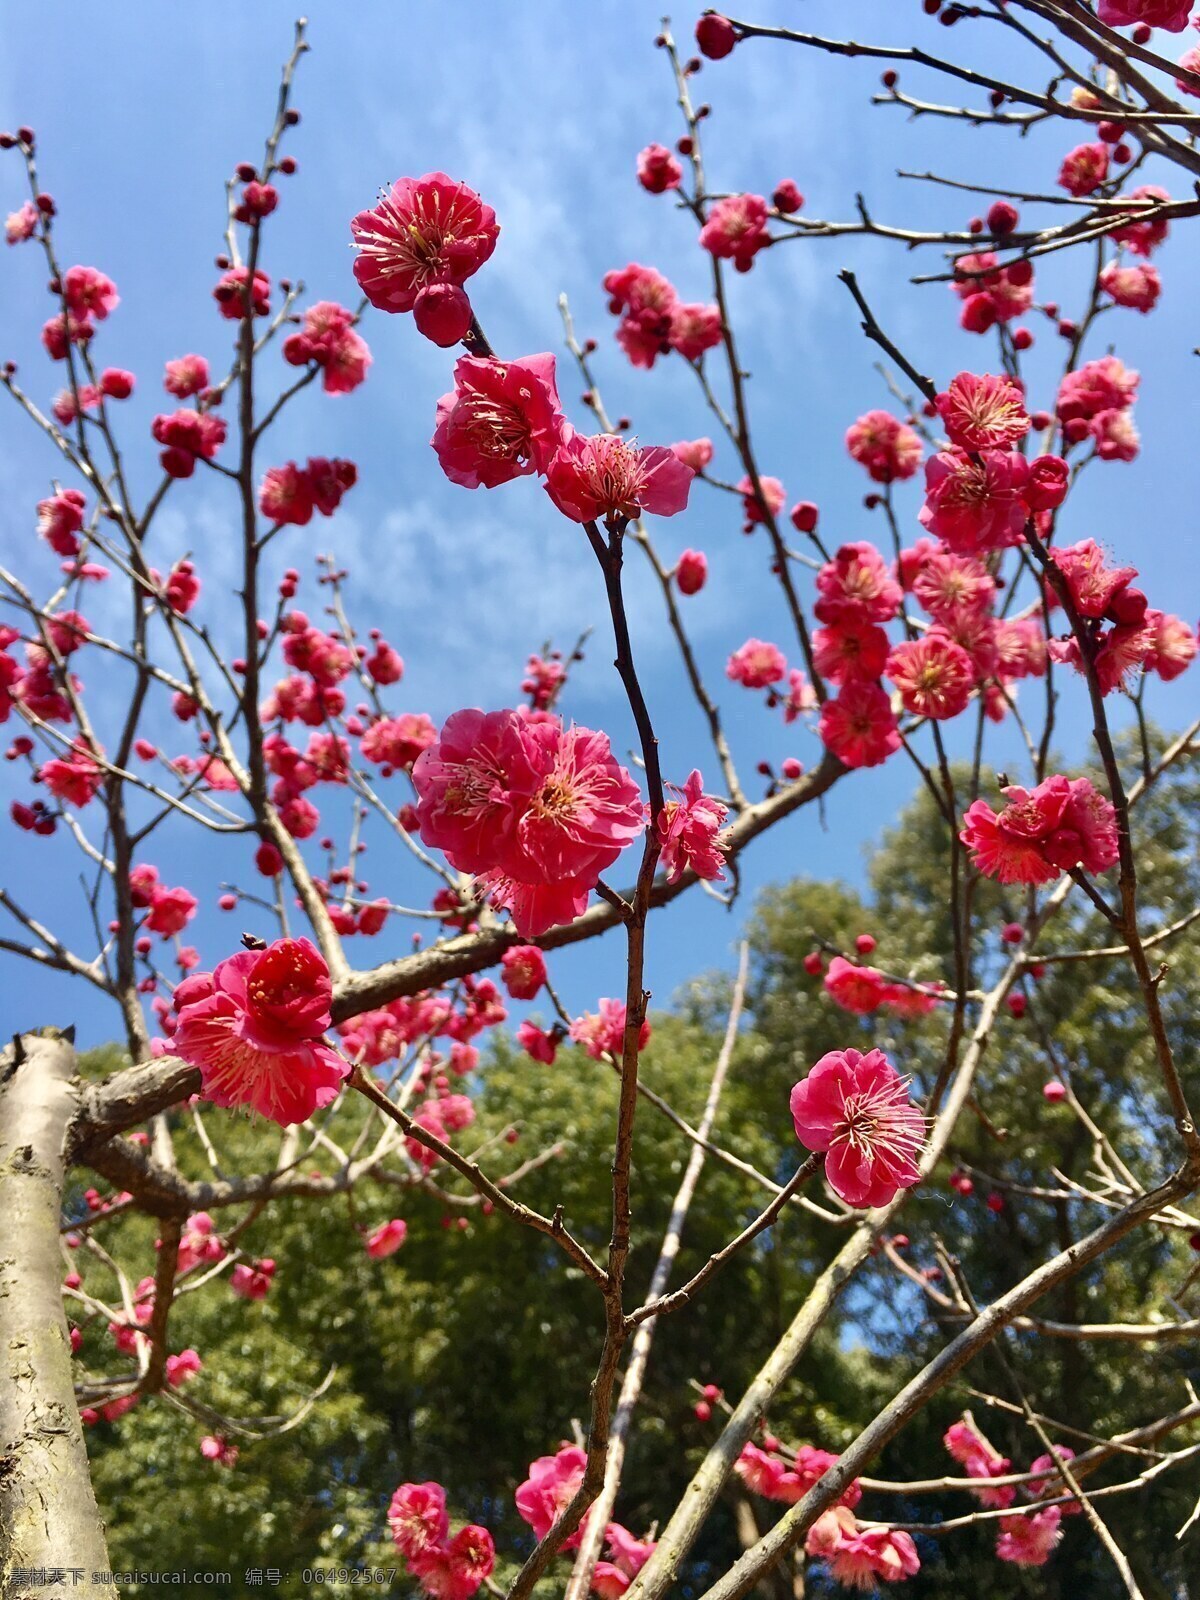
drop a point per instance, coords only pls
(980, 493)
(88, 296)
(199, 1246)
(856, 594)
(375, 1038)
(855, 1554)
(936, 673)
(549, 1489)
(255, 1026)
(863, 990)
(768, 1472)
(290, 494)
(394, 743)
(602, 1033)
(180, 588)
(379, 1036)
(251, 1280)
(168, 911)
(535, 811)
(1026, 1538)
(654, 321)
(544, 678)
(1061, 825)
(313, 697)
(40, 688)
(446, 1568)
(124, 1331)
(967, 648)
(1123, 632)
(328, 338)
(1095, 402)
(759, 664)
(981, 496)
(253, 1029)
(991, 293)
(187, 436)
(242, 295)
(503, 420)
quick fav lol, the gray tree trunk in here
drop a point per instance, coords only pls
(48, 1514)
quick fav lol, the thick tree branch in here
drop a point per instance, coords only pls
(48, 1513)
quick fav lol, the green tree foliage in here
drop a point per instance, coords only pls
(471, 1351)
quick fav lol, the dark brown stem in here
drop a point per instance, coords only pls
(553, 1227)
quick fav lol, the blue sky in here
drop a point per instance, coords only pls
(542, 107)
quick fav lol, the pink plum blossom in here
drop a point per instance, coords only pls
(253, 1027)
(658, 170)
(386, 1239)
(858, 726)
(523, 971)
(756, 665)
(973, 500)
(424, 232)
(1169, 14)
(736, 229)
(1028, 1538)
(602, 476)
(857, 583)
(888, 449)
(501, 420)
(689, 832)
(549, 1489)
(933, 674)
(983, 412)
(857, 1109)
